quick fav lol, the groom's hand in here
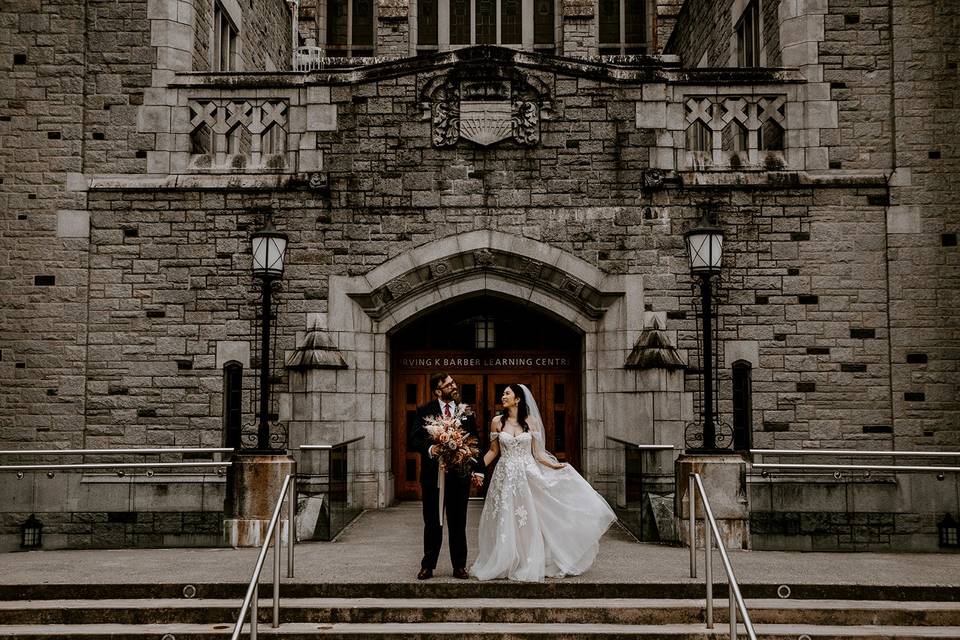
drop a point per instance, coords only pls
(477, 479)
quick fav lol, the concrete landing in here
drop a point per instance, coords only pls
(385, 547)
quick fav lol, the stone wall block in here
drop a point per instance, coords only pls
(651, 115)
(822, 115)
(154, 119)
(321, 117)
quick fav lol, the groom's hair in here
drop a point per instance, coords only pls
(437, 379)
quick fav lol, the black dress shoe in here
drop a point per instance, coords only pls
(460, 573)
(425, 574)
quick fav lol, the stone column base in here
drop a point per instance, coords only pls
(724, 478)
(253, 486)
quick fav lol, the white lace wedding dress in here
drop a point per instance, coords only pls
(537, 521)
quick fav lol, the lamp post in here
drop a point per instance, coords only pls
(267, 247)
(705, 251)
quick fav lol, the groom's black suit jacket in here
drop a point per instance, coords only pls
(422, 441)
(456, 497)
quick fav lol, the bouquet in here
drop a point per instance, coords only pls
(457, 448)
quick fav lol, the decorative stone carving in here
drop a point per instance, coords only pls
(526, 119)
(571, 285)
(485, 112)
(439, 269)
(446, 118)
(532, 268)
(652, 178)
(592, 301)
(317, 181)
(750, 111)
(399, 287)
(485, 122)
(484, 257)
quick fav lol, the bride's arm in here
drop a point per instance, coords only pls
(494, 450)
(547, 463)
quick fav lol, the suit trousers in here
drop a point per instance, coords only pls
(456, 498)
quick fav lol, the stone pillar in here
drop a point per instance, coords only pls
(578, 29)
(724, 477)
(253, 485)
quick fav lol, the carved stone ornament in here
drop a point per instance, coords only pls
(446, 117)
(571, 285)
(439, 269)
(399, 287)
(652, 178)
(485, 113)
(532, 268)
(484, 257)
(526, 122)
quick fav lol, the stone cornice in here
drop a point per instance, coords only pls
(630, 70)
(202, 182)
(727, 179)
(316, 181)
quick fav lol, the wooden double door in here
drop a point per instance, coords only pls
(557, 394)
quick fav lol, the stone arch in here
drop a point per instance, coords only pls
(365, 311)
(493, 261)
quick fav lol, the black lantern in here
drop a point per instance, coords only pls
(705, 251)
(268, 246)
(705, 248)
(947, 530)
(31, 533)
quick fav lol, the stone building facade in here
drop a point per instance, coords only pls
(550, 180)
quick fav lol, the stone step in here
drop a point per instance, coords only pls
(439, 588)
(473, 631)
(474, 610)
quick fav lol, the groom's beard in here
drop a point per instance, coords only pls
(446, 397)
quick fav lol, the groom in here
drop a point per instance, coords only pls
(445, 394)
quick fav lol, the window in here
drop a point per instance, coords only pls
(735, 138)
(484, 332)
(350, 28)
(224, 40)
(460, 23)
(232, 403)
(699, 137)
(771, 136)
(748, 36)
(742, 406)
(622, 27)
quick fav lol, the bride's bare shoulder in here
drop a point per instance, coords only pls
(495, 424)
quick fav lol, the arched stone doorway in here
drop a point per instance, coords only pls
(606, 312)
(485, 342)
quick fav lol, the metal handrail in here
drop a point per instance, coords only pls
(854, 453)
(854, 467)
(113, 465)
(250, 600)
(91, 452)
(324, 447)
(644, 447)
(734, 596)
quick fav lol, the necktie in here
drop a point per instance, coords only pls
(446, 410)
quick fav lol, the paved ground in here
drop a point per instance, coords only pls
(385, 546)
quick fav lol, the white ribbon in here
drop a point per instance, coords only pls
(441, 474)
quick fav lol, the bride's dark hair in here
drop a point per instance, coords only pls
(522, 410)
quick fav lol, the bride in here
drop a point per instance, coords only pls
(540, 518)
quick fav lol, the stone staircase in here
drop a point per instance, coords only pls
(467, 610)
